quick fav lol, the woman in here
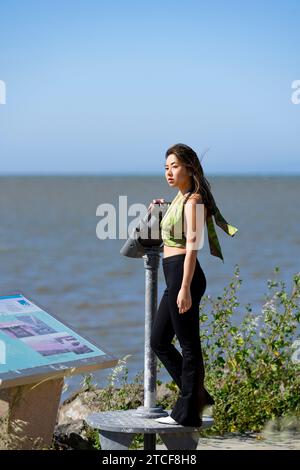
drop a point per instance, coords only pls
(182, 230)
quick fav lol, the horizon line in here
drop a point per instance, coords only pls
(90, 174)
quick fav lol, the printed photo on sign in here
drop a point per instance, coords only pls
(26, 325)
(57, 343)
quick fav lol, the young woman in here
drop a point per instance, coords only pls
(182, 229)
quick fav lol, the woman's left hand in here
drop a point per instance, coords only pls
(184, 299)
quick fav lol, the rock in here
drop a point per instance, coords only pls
(74, 410)
(163, 392)
(282, 429)
(71, 436)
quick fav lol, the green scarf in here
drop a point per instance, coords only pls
(214, 244)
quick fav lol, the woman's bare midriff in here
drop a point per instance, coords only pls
(173, 250)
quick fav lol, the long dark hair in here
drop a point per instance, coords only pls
(200, 185)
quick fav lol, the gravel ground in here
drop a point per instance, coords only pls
(247, 442)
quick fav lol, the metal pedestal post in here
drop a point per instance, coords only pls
(150, 410)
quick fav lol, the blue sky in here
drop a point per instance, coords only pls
(99, 87)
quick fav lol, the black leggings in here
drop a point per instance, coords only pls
(187, 370)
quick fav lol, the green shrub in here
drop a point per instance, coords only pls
(250, 367)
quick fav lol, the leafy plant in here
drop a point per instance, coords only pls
(250, 369)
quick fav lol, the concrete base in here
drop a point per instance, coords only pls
(118, 428)
(35, 406)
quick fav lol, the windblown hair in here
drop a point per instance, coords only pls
(200, 185)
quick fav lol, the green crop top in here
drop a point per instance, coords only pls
(172, 226)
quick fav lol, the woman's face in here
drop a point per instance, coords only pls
(176, 173)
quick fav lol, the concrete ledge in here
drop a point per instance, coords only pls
(117, 429)
(126, 421)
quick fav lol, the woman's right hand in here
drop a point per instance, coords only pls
(156, 201)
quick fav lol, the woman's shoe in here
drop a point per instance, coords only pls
(166, 420)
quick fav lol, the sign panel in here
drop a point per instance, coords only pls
(33, 342)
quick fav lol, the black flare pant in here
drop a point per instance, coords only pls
(186, 369)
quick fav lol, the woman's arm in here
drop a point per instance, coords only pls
(194, 213)
(188, 269)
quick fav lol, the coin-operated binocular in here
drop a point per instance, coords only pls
(145, 242)
(147, 233)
